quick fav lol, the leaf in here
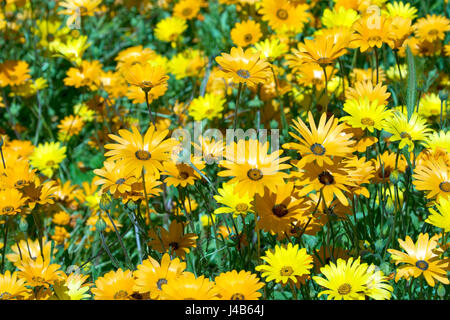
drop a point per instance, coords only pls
(411, 90)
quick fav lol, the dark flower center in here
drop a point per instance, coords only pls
(7, 209)
(120, 181)
(142, 155)
(50, 37)
(243, 73)
(326, 178)
(318, 149)
(405, 135)
(237, 296)
(5, 295)
(286, 271)
(50, 163)
(255, 174)
(387, 173)
(422, 265)
(174, 245)
(374, 38)
(121, 294)
(160, 283)
(183, 175)
(248, 37)
(280, 210)
(282, 14)
(186, 12)
(344, 289)
(433, 32)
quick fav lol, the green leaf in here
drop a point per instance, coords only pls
(411, 90)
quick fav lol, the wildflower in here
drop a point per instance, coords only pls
(238, 286)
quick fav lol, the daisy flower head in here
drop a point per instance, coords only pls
(421, 259)
(47, 157)
(285, 263)
(141, 152)
(366, 114)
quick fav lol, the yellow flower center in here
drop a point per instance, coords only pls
(38, 279)
(374, 39)
(50, 163)
(326, 178)
(422, 265)
(121, 294)
(367, 122)
(286, 271)
(83, 10)
(7, 209)
(237, 296)
(318, 149)
(5, 295)
(344, 289)
(445, 186)
(142, 155)
(248, 37)
(405, 135)
(255, 174)
(160, 282)
(241, 207)
(13, 77)
(280, 210)
(243, 73)
(282, 14)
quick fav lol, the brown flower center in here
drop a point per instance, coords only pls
(83, 10)
(248, 37)
(38, 279)
(50, 37)
(241, 207)
(318, 149)
(282, 14)
(367, 122)
(243, 73)
(50, 163)
(19, 183)
(286, 271)
(326, 178)
(186, 12)
(344, 289)
(183, 175)
(237, 296)
(280, 210)
(142, 155)
(121, 294)
(160, 282)
(445, 186)
(422, 265)
(147, 84)
(386, 174)
(324, 61)
(433, 32)
(174, 245)
(255, 174)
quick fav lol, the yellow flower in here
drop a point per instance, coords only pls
(440, 218)
(11, 287)
(114, 285)
(209, 106)
(233, 202)
(170, 29)
(47, 157)
(238, 286)
(77, 8)
(365, 114)
(285, 263)
(340, 17)
(420, 259)
(39, 272)
(188, 287)
(246, 33)
(72, 50)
